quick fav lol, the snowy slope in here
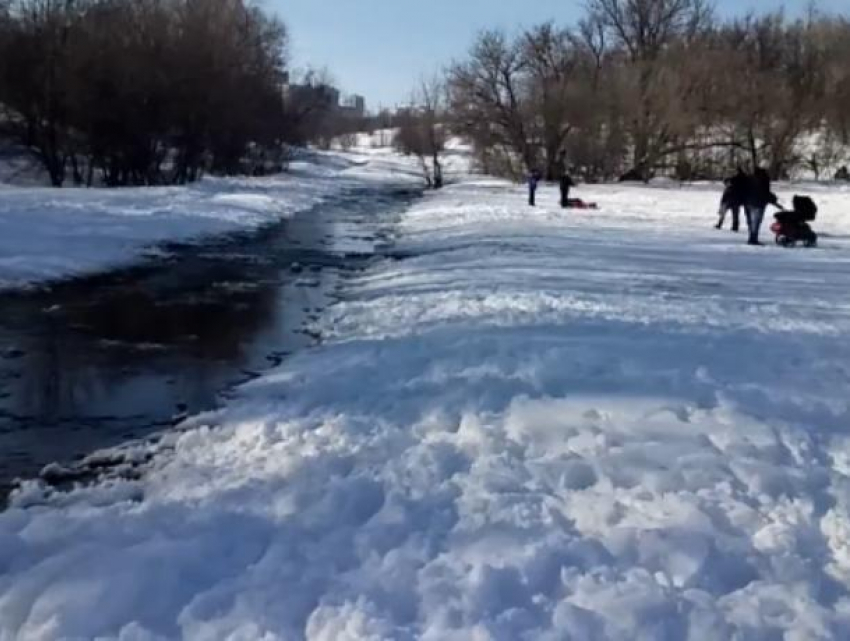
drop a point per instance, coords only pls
(526, 424)
(48, 234)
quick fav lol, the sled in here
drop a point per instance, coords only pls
(578, 203)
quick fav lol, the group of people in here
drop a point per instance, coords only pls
(748, 192)
(752, 193)
(565, 182)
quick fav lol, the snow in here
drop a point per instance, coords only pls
(19, 166)
(523, 424)
(48, 234)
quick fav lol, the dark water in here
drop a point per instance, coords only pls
(93, 363)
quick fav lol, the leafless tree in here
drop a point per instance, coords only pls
(645, 86)
(488, 101)
(551, 62)
(647, 32)
(144, 91)
(421, 130)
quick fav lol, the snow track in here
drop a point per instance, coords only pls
(530, 425)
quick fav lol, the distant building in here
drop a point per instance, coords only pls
(354, 105)
(323, 97)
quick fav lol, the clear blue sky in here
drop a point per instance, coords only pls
(380, 48)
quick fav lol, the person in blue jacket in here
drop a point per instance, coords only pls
(534, 178)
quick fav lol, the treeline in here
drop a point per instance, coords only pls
(143, 92)
(642, 87)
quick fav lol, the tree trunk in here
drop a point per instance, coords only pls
(753, 149)
(438, 172)
(55, 168)
(426, 172)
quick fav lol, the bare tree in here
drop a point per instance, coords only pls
(837, 34)
(35, 77)
(488, 102)
(421, 130)
(551, 61)
(143, 91)
(646, 30)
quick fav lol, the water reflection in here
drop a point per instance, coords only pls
(93, 363)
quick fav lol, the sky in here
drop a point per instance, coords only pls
(381, 48)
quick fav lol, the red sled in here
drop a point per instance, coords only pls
(578, 203)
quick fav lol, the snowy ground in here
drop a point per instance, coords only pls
(529, 424)
(48, 234)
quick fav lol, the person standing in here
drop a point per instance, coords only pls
(759, 196)
(533, 181)
(566, 183)
(734, 197)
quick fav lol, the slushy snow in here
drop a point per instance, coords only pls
(523, 424)
(51, 234)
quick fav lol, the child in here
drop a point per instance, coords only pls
(733, 198)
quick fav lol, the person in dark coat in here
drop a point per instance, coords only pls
(758, 197)
(566, 183)
(533, 181)
(734, 197)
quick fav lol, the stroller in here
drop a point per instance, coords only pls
(792, 227)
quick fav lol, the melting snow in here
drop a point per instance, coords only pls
(532, 424)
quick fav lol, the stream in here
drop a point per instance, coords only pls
(92, 363)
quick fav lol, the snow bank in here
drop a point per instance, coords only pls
(19, 166)
(526, 424)
(48, 234)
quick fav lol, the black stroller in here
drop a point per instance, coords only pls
(792, 226)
